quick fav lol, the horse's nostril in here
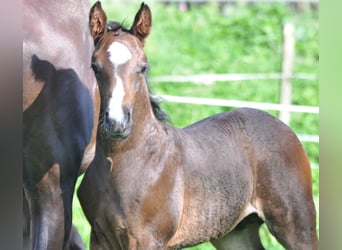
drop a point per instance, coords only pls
(128, 116)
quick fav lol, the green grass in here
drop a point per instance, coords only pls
(247, 40)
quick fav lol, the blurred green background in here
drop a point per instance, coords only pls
(234, 38)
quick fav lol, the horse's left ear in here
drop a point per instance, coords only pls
(142, 22)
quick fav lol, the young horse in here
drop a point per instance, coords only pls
(60, 118)
(153, 186)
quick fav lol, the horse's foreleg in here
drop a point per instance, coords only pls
(149, 243)
(244, 237)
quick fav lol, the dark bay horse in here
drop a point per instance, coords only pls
(61, 106)
(154, 186)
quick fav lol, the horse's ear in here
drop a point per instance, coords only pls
(97, 21)
(142, 22)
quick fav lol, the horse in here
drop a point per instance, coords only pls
(155, 186)
(60, 116)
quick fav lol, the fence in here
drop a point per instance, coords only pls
(284, 107)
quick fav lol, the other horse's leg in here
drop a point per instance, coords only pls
(26, 223)
(99, 241)
(244, 237)
(75, 240)
(46, 212)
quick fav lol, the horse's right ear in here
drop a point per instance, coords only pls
(97, 21)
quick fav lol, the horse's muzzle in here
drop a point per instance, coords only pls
(117, 130)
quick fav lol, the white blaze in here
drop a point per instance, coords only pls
(118, 54)
(115, 103)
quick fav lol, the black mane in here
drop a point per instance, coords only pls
(158, 112)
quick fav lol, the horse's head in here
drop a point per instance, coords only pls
(120, 64)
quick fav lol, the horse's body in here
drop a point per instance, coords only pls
(60, 118)
(153, 186)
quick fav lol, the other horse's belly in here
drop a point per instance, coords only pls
(212, 208)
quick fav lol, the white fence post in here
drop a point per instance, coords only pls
(287, 74)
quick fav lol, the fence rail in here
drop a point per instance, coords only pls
(239, 104)
(212, 78)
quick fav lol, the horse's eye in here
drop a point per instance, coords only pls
(143, 68)
(95, 68)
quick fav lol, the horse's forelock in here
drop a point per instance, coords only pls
(114, 26)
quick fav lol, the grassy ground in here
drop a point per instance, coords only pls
(248, 39)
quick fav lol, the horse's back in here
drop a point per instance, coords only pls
(255, 138)
(266, 134)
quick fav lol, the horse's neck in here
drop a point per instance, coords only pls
(145, 125)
